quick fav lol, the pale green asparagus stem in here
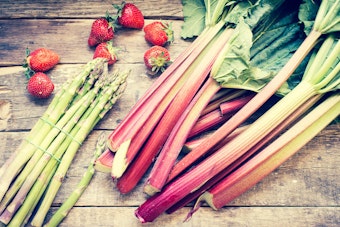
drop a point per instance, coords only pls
(35, 130)
(34, 194)
(32, 163)
(104, 103)
(66, 207)
(26, 210)
(91, 80)
(55, 110)
(38, 165)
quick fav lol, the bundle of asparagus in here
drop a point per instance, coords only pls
(31, 177)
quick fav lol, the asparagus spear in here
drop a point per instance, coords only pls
(66, 207)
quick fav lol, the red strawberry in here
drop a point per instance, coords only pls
(106, 50)
(156, 59)
(40, 60)
(129, 16)
(40, 85)
(101, 31)
(159, 33)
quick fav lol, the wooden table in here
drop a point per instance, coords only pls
(304, 191)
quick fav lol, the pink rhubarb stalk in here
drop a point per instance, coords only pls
(253, 105)
(173, 112)
(192, 180)
(279, 129)
(216, 117)
(273, 155)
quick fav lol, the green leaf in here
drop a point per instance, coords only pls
(240, 10)
(307, 13)
(236, 58)
(251, 66)
(194, 18)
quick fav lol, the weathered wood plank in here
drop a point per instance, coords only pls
(89, 9)
(304, 191)
(231, 216)
(72, 54)
(68, 37)
(25, 110)
(310, 178)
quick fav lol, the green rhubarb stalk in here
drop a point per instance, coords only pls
(58, 106)
(89, 122)
(214, 164)
(273, 155)
(66, 207)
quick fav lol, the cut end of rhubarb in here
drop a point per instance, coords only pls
(139, 217)
(98, 166)
(150, 190)
(104, 162)
(119, 163)
(205, 197)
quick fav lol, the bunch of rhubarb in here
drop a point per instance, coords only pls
(249, 74)
(229, 169)
(165, 115)
(32, 176)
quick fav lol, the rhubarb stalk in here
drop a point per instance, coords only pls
(273, 155)
(279, 129)
(323, 80)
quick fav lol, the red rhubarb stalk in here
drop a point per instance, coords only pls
(216, 117)
(172, 130)
(279, 129)
(126, 154)
(316, 80)
(126, 129)
(253, 105)
(273, 155)
(104, 162)
(193, 143)
(222, 96)
(176, 108)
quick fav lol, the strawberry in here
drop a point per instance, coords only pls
(106, 50)
(40, 60)
(40, 85)
(129, 16)
(156, 59)
(158, 33)
(101, 31)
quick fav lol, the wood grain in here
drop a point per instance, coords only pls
(304, 191)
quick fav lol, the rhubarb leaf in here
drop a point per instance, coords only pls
(194, 18)
(307, 12)
(251, 66)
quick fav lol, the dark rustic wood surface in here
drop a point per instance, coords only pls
(304, 191)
